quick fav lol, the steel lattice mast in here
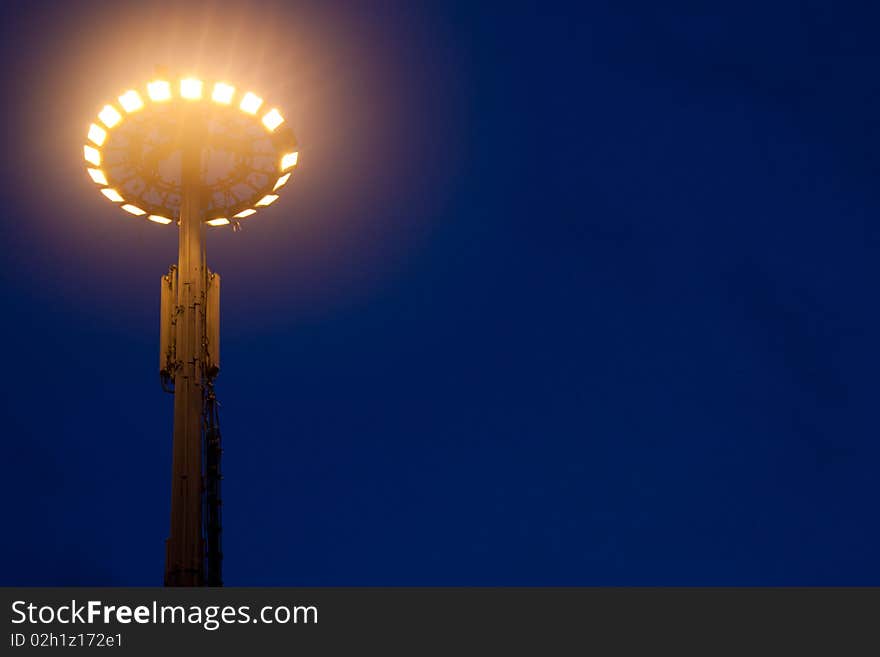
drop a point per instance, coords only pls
(231, 162)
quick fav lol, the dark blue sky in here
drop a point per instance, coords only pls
(560, 294)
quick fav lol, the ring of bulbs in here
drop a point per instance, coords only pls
(190, 90)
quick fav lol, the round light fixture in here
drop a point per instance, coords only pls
(133, 150)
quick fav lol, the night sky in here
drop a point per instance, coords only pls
(558, 295)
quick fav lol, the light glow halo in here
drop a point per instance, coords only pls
(245, 153)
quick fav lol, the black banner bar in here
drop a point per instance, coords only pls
(460, 621)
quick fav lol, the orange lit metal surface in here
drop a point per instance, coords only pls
(252, 148)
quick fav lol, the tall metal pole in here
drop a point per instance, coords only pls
(185, 547)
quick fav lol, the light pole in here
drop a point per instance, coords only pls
(178, 155)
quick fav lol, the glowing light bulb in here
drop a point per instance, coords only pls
(223, 93)
(273, 119)
(92, 155)
(191, 88)
(289, 160)
(113, 195)
(250, 103)
(134, 209)
(97, 176)
(97, 134)
(268, 199)
(131, 101)
(110, 116)
(159, 90)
